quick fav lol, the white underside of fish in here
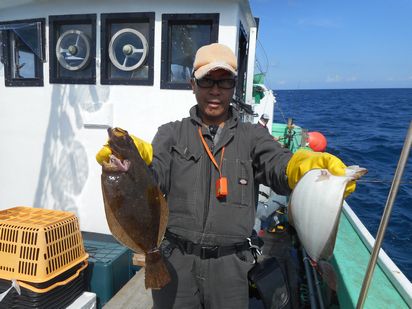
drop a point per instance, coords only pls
(315, 206)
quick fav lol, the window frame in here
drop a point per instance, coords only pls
(105, 19)
(173, 19)
(9, 81)
(242, 63)
(58, 20)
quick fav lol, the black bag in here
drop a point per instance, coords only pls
(267, 277)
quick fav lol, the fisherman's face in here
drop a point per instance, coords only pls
(213, 102)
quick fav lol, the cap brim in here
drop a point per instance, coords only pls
(202, 71)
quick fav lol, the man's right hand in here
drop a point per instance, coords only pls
(145, 149)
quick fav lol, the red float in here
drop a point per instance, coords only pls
(317, 141)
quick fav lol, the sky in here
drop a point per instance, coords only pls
(333, 44)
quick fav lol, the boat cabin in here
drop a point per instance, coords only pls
(71, 69)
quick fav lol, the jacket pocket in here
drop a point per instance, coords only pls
(184, 154)
(185, 180)
(240, 181)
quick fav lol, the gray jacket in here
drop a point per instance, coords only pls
(187, 177)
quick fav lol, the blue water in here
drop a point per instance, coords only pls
(365, 127)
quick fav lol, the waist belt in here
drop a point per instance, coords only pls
(205, 251)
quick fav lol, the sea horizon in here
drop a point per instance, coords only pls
(380, 88)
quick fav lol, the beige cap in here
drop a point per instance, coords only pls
(213, 57)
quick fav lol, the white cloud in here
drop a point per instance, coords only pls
(334, 79)
(398, 79)
(338, 78)
(352, 78)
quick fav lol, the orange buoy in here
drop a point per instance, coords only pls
(317, 141)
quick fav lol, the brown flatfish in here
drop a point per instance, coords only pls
(136, 210)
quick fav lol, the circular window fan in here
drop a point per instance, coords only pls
(128, 49)
(73, 50)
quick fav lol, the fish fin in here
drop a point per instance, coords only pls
(156, 273)
(156, 199)
(118, 230)
(327, 250)
(328, 274)
(120, 233)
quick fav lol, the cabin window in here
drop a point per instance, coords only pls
(72, 49)
(22, 52)
(182, 35)
(127, 42)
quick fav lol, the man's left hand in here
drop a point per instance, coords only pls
(304, 160)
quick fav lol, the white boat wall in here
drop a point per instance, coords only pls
(50, 133)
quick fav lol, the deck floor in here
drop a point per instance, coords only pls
(133, 295)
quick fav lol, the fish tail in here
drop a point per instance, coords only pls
(328, 274)
(157, 275)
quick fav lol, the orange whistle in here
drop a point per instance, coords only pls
(221, 187)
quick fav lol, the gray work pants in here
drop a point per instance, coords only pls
(208, 283)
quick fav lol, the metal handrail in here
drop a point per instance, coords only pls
(385, 217)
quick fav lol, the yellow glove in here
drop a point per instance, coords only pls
(145, 150)
(304, 160)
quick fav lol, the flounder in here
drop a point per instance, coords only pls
(135, 208)
(315, 206)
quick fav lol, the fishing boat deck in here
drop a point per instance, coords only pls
(132, 295)
(350, 260)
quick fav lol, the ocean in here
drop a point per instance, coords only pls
(365, 127)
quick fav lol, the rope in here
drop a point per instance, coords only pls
(382, 181)
(265, 72)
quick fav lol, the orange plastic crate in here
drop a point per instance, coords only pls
(37, 245)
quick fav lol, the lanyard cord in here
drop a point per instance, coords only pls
(212, 158)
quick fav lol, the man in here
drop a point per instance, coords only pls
(209, 166)
(263, 120)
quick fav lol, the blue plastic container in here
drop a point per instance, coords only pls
(110, 266)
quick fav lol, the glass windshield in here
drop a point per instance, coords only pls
(185, 41)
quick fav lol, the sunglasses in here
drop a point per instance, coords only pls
(228, 83)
